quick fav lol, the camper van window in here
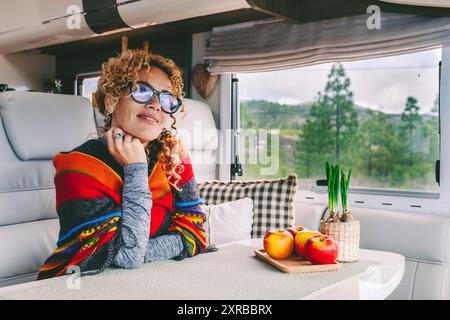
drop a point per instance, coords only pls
(378, 116)
(86, 84)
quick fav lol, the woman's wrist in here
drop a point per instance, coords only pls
(136, 163)
(164, 247)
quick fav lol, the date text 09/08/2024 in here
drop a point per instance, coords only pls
(256, 309)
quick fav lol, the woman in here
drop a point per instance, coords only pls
(130, 196)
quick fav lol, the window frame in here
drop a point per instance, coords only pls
(421, 202)
(226, 153)
(80, 77)
(385, 199)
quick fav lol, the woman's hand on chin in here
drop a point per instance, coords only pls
(125, 148)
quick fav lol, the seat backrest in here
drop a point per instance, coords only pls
(197, 130)
(33, 128)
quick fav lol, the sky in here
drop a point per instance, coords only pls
(381, 84)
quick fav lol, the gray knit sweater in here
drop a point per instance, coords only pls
(137, 248)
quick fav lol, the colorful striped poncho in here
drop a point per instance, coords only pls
(89, 185)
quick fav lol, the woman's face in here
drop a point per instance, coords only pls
(133, 117)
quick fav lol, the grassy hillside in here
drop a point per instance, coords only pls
(272, 115)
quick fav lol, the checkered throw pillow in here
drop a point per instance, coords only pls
(272, 200)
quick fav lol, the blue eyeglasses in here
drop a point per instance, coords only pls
(143, 92)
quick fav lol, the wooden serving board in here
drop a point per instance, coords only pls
(294, 264)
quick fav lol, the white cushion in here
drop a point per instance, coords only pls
(273, 199)
(229, 221)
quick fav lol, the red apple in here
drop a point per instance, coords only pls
(300, 240)
(321, 249)
(294, 230)
(278, 243)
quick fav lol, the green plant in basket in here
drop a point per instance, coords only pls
(345, 184)
(333, 191)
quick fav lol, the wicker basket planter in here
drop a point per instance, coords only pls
(347, 235)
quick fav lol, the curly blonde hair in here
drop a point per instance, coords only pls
(117, 73)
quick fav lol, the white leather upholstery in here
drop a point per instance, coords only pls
(424, 240)
(198, 131)
(25, 113)
(26, 245)
(33, 128)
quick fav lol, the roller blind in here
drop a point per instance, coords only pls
(276, 44)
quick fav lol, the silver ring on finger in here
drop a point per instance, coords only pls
(118, 135)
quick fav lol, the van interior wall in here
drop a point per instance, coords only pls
(26, 70)
(79, 58)
(199, 42)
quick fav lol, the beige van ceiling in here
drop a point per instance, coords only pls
(31, 24)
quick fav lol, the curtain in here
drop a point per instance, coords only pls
(276, 44)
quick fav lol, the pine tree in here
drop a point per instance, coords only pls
(339, 100)
(316, 140)
(330, 131)
(410, 118)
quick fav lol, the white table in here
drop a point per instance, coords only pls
(377, 282)
(231, 273)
